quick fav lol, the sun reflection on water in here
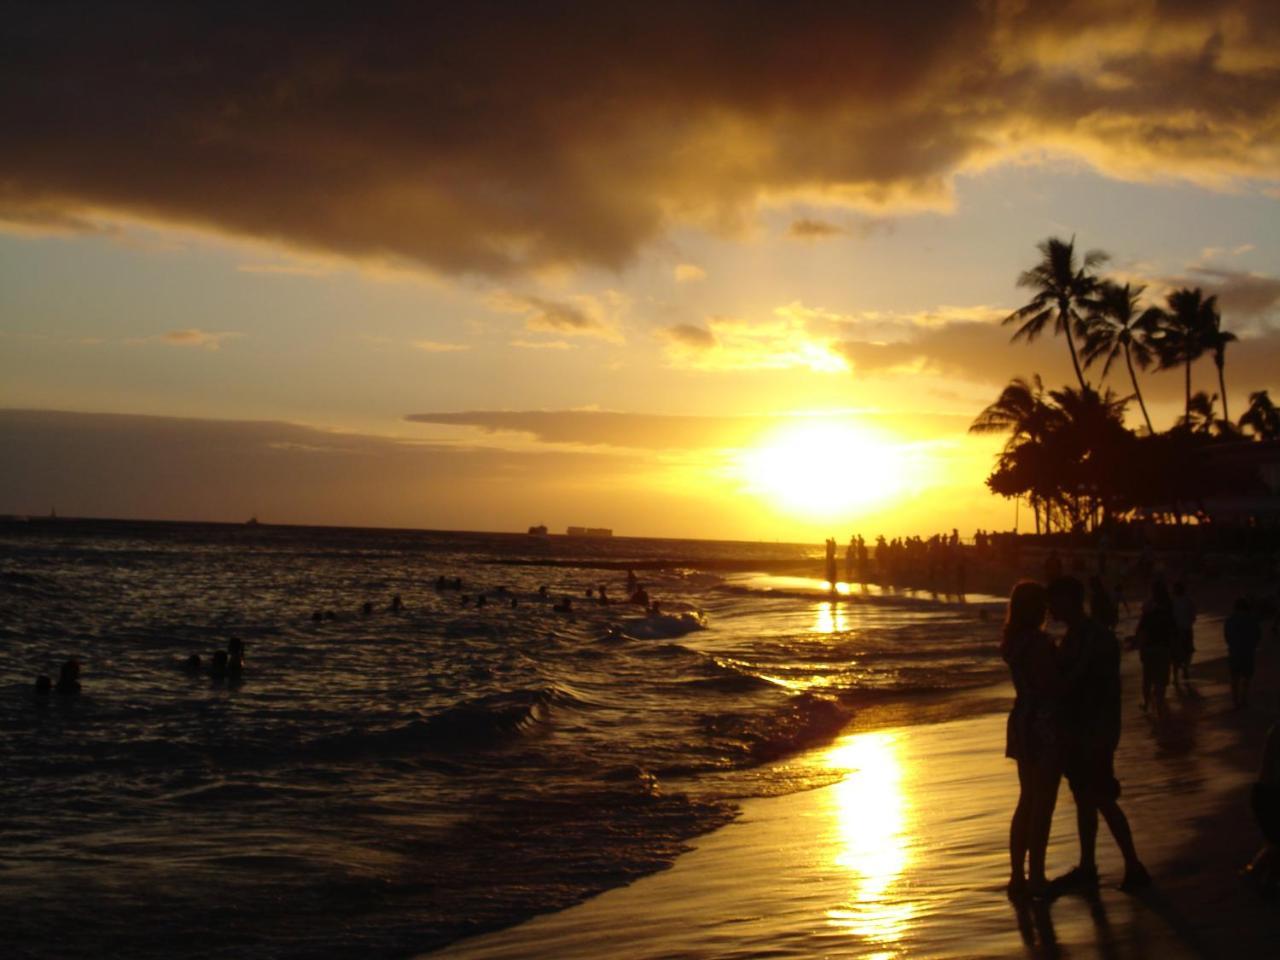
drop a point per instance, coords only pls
(873, 814)
(830, 619)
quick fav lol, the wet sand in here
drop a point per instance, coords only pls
(906, 855)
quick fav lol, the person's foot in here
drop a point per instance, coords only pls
(1016, 889)
(1077, 878)
(1135, 878)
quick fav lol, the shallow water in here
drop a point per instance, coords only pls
(396, 781)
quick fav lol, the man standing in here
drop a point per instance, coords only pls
(1089, 658)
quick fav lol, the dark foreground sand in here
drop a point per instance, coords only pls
(905, 856)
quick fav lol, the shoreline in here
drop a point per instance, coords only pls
(906, 854)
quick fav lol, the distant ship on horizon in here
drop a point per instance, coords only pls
(589, 532)
(539, 531)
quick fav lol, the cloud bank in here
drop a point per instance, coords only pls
(500, 138)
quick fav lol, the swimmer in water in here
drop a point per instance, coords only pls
(44, 686)
(316, 616)
(481, 601)
(218, 669)
(396, 604)
(367, 609)
(542, 592)
(235, 656)
(192, 664)
(564, 606)
(69, 679)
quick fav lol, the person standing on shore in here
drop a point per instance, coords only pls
(1157, 631)
(1184, 619)
(1031, 736)
(1243, 633)
(1089, 660)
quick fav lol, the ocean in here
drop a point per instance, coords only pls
(387, 783)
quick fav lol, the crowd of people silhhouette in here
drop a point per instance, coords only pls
(939, 563)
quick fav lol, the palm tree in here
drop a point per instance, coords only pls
(1262, 417)
(1116, 327)
(1216, 339)
(1063, 290)
(1199, 417)
(1183, 331)
(1020, 409)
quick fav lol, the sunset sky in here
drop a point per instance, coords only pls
(719, 270)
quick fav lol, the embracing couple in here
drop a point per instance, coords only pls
(1065, 722)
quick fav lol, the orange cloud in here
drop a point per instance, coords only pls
(190, 337)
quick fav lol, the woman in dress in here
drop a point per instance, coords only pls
(1031, 738)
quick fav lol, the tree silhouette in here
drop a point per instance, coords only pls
(1184, 329)
(1199, 417)
(1262, 417)
(1064, 293)
(1062, 451)
(1116, 327)
(1216, 339)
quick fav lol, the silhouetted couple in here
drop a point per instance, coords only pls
(1065, 721)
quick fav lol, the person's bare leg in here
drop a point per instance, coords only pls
(1118, 824)
(1018, 845)
(1040, 821)
(1087, 828)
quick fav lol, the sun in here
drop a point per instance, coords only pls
(823, 468)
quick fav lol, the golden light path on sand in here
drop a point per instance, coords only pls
(873, 819)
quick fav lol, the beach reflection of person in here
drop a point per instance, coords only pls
(1031, 736)
(1089, 660)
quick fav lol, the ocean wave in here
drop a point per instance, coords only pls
(804, 721)
(725, 676)
(663, 626)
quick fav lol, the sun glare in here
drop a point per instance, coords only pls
(823, 468)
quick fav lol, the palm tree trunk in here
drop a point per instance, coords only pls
(1075, 360)
(1222, 385)
(1187, 410)
(1136, 392)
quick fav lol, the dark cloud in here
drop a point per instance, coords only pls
(550, 315)
(1240, 294)
(807, 228)
(689, 335)
(642, 431)
(171, 468)
(501, 137)
(981, 353)
(581, 316)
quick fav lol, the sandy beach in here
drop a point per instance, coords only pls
(906, 855)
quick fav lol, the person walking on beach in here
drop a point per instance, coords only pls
(1156, 637)
(1184, 618)
(1243, 633)
(1089, 661)
(1031, 736)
